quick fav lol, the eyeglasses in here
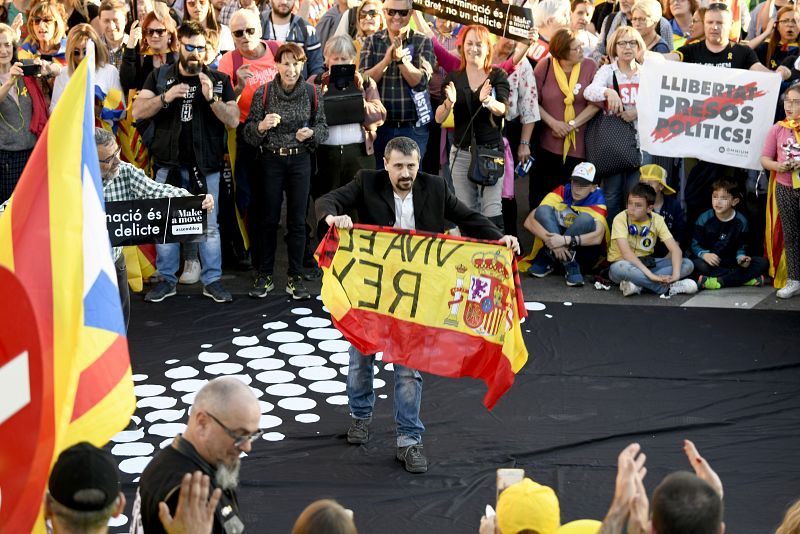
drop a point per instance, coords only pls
(792, 102)
(577, 48)
(110, 159)
(643, 20)
(401, 12)
(238, 440)
(192, 48)
(628, 44)
(793, 22)
(718, 6)
(371, 13)
(240, 33)
(79, 52)
(156, 31)
(43, 20)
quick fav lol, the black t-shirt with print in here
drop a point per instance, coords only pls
(734, 56)
(187, 109)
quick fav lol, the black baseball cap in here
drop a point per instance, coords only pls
(84, 478)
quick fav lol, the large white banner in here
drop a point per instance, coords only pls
(714, 114)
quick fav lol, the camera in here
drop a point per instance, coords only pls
(29, 68)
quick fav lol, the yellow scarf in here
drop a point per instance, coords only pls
(568, 88)
(794, 126)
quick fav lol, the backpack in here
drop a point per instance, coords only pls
(237, 59)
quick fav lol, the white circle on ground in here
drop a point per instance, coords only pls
(148, 390)
(324, 333)
(307, 361)
(296, 349)
(128, 435)
(337, 400)
(306, 418)
(265, 406)
(285, 336)
(313, 322)
(266, 364)
(170, 362)
(317, 373)
(244, 379)
(273, 436)
(286, 390)
(255, 352)
(534, 306)
(257, 393)
(389, 367)
(212, 357)
(189, 398)
(134, 465)
(237, 329)
(379, 356)
(383, 396)
(328, 386)
(160, 403)
(341, 358)
(164, 415)
(206, 346)
(138, 378)
(301, 311)
(297, 404)
(325, 309)
(245, 341)
(118, 521)
(184, 371)
(275, 377)
(167, 430)
(344, 370)
(165, 443)
(269, 421)
(567, 304)
(132, 449)
(548, 315)
(224, 368)
(275, 325)
(136, 419)
(334, 345)
(189, 386)
(377, 383)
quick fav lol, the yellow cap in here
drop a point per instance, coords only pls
(655, 173)
(527, 505)
(581, 526)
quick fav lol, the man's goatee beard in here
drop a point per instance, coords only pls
(227, 477)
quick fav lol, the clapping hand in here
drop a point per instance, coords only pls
(485, 92)
(304, 134)
(450, 92)
(135, 35)
(195, 511)
(701, 467)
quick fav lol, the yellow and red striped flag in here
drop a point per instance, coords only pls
(53, 239)
(773, 238)
(449, 306)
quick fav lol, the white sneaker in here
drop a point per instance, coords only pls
(191, 272)
(628, 288)
(683, 287)
(791, 289)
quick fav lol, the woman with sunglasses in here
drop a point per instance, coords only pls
(369, 19)
(626, 52)
(157, 39)
(109, 104)
(18, 130)
(46, 40)
(202, 12)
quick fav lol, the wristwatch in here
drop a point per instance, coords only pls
(214, 99)
(572, 124)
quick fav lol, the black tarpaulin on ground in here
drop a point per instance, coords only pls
(598, 378)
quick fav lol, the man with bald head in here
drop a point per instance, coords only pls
(223, 423)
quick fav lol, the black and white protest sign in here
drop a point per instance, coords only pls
(506, 20)
(161, 220)
(714, 114)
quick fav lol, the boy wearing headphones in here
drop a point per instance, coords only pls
(634, 234)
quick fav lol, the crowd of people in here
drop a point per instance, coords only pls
(236, 100)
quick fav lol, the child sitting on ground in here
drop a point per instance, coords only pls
(667, 205)
(718, 243)
(634, 234)
(569, 227)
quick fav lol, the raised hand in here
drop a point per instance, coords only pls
(701, 467)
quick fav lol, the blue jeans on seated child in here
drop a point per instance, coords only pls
(732, 276)
(546, 216)
(624, 270)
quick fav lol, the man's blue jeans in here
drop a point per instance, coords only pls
(168, 257)
(615, 190)
(387, 133)
(407, 396)
(625, 270)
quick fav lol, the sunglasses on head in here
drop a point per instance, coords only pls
(718, 6)
(192, 48)
(156, 31)
(368, 13)
(401, 12)
(240, 33)
(43, 20)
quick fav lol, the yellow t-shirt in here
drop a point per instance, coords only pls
(641, 246)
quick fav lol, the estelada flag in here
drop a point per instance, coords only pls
(773, 238)
(450, 306)
(53, 239)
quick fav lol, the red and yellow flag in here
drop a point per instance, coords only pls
(53, 239)
(773, 238)
(446, 305)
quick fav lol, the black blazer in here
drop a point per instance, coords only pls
(370, 195)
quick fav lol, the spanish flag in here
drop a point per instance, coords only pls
(773, 239)
(53, 239)
(449, 306)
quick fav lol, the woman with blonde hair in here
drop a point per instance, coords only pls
(325, 516)
(157, 40)
(108, 90)
(46, 40)
(645, 17)
(369, 19)
(791, 521)
(616, 85)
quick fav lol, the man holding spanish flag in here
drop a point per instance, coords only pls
(404, 198)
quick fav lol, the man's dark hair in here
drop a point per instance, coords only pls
(404, 145)
(191, 28)
(685, 504)
(644, 191)
(727, 185)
